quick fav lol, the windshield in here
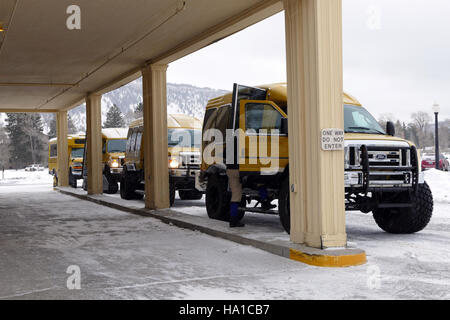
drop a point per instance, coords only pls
(117, 145)
(77, 153)
(359, 120)
(184, 138)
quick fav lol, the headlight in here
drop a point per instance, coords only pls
(174, 163)
(114, 163)
(77, 165)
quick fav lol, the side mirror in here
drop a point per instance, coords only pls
(390, 128)
(284, 126)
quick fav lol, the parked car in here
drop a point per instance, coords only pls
(429, 162)
(34, 167)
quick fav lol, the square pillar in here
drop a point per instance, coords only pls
(94, 143)
(62, 148)
(154, 90)
(315, 99)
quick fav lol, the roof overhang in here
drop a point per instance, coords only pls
(45, 67)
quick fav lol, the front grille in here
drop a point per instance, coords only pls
(191, 160)
(381, 166)
(380, 158)
(385, 159)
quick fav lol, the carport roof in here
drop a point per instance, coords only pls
(44, 66)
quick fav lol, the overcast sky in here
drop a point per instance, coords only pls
(396, 56)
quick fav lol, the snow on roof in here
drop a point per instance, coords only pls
(115, 133)
(175, 121)
(79, 135)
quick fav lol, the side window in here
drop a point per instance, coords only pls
(104, 146)
(133, 141)
(53, 150)
(260, 116)
(223, 119)
(208, 123)
(210, 118)
(130, 132)
(138, 141)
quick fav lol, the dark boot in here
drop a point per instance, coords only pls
(234, 218)
(265, 201)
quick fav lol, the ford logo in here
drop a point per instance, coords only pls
(381, 157)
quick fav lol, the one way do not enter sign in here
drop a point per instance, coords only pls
(332, 139)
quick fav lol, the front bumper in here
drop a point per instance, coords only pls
(381, 179)
(371, 174)
(77, 173)
(183, 178)
(115, 171)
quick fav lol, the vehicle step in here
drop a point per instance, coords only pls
(258, 210)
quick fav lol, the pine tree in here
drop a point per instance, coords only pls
(27, 143)
(34, 129)
(114, 118)
(52, 131)
(4, 149)
(72, 129)
(139, 111)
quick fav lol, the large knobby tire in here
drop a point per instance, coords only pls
(218, 198)
(190, 194)
(128, 185)
(284, 205)
(113, 187)
(72, 180)
(407, 220)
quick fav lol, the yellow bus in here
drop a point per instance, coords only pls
(382, 172)
(75, 145)
(114, 141)
(184, 143)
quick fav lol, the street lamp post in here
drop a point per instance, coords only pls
(436, 110)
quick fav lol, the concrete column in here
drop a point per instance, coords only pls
(315, 89)
(94, 143)
(154, 88)
(62, 146)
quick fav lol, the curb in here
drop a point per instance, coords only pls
(331, 258)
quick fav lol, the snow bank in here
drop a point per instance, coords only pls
(439, 182)
(25, 177)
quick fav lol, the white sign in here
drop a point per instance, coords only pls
(332, 139)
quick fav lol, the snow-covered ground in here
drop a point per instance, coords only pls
(22, 177)
(51, 231)
(439, 182)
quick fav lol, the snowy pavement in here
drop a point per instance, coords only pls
(126, 256)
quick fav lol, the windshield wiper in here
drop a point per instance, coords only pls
(365, 128)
